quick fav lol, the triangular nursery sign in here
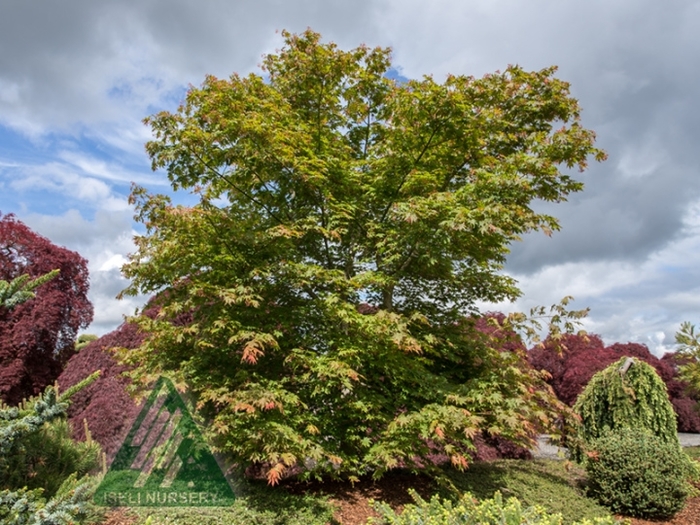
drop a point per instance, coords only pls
(164, 461)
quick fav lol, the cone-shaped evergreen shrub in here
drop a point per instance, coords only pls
(38, 460)
(46, 458)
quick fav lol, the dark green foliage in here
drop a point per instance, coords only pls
(636, 399)
(40, 463)
(635, 473)
(44, 459)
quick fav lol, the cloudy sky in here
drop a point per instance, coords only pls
(78, 76)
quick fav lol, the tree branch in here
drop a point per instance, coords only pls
(405, 177)
(235, 187)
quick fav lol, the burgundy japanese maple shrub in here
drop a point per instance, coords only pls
(583, 363)
(38, 337)
(555, 359)
(580, 368)
(663, 368)
(105, 404)
(491, 323)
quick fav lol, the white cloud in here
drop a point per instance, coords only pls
(643, 159)
(9, 92)
(80, 177)
(113, 261)
(104, 241)
(83, 71)
(643, 301)
(59, 178)
(108, 171)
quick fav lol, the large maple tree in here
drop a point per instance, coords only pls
(38, 336)
(323, 185)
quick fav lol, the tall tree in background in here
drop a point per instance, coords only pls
(328, 185)
(38, 336)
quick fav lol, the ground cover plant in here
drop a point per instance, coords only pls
(345, 227)
(558, 486)
(470, 511)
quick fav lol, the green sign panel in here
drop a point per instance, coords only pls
(164, 461)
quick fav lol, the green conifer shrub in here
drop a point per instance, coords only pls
(469, 511)
(45, 459)
(69, 506)
(40, 464)
(635, 473)
(633, 398)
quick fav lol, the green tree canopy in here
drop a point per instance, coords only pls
(346, 225)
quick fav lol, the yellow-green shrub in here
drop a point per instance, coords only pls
(624, 396)
(469, 511)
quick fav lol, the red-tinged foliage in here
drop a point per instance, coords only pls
(105, 404)
(38, 337)
(509, 340)
(683, 398)
(663, 368)
(687, 412)
(583, 356)
(367, 309)
(580, 368)
(495, 447)
(548, 357)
